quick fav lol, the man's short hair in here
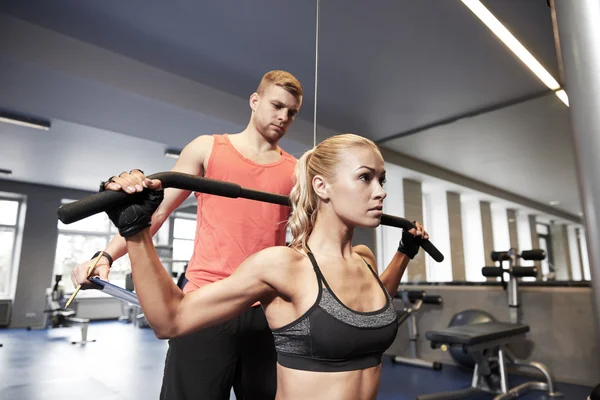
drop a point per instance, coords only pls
(282, 79)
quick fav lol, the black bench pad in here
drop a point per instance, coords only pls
(476, 333)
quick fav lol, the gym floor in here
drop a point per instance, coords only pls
(125, 363)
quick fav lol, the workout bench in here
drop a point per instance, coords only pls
(486, 343)
(83, 324)
(55, 315)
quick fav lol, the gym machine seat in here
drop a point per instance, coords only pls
(486, 343)
(471, 335)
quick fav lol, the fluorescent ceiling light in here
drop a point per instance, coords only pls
(516, 47)
(172, 153)
(561, 94)
(11, 118)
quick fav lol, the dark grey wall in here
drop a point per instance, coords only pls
(488, 233)
(513, 232)
(38, 248)
(457, 249)
(365, 236)
(413, 211)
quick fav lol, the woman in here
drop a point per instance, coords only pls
(332, 317)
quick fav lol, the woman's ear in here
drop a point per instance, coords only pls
(320, 187)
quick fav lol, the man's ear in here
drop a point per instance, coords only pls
(321, 187)
(254, 99)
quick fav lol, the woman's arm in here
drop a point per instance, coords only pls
(171, 313)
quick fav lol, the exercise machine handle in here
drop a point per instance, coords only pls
(414, 295)
(520, 272)
(102, 201)
(491, 272)
(500, 256)
(535, 254)
(432, 299)
(397, 222)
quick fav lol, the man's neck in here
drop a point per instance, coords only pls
(256, 142)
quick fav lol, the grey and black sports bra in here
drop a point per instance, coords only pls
(331, 337)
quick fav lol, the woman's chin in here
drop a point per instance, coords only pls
(370, 222)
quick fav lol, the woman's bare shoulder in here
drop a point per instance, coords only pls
(281, 266)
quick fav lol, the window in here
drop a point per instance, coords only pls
(545, 243)
(79, 241)
(436, 222)
(184, 231)
(10, 211)
(472, 230)
(583, 253)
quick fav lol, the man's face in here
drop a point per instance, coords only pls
(274, 111)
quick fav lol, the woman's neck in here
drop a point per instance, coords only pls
(331, 236)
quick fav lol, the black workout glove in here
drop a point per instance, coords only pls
(408, 245)
(135, 217)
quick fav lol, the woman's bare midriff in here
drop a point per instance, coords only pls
(349, 385)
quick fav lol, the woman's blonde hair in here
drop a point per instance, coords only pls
(320, 160)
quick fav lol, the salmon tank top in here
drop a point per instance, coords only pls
(230, 230)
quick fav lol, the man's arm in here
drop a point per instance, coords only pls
(170, 313)
(191, 161)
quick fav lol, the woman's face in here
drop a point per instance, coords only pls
(356, 190)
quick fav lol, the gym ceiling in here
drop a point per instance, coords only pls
(122, 81)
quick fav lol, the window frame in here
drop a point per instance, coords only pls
(172, 218)
(106, 234)
(548, 238)
(17, 229)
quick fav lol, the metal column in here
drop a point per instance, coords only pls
(578, 26)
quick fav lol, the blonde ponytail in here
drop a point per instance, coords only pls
(303, 199)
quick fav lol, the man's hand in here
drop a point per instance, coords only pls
(130, 182)
(147, 195)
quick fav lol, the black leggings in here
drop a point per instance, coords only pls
(206, 364)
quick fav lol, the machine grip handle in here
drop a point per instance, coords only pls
(491, 272)
(520, 272)
(535, 254)
(432, 299)
(500, 256)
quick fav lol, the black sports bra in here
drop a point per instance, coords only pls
(330, 337)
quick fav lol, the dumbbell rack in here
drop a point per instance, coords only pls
(514, 271)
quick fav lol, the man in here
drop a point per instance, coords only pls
(239, 352)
